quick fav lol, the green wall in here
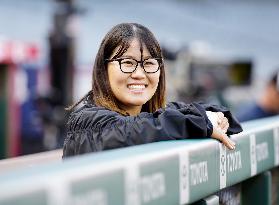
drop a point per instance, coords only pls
(3, 109)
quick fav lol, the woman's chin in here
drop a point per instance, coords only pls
(136, 101)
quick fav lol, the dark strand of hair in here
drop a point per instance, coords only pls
(85, 97)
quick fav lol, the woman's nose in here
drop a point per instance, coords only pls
(139, 72)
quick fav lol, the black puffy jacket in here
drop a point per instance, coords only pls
(92, 128)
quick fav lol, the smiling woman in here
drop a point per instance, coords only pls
(126, 105)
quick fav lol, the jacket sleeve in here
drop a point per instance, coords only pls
(90, 131)
(235, 126)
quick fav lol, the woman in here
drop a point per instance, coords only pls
(126, 105)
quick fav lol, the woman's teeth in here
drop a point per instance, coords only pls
(136, 87)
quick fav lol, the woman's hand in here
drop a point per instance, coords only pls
(217, 134)
(220, 126)
(218, 120)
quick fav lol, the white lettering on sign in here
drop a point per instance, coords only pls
(234, 161)
(184, 176)
(262, 151)
(96, 197)
(199, 173)
(276, 145)
(253, 156)
(152, 187)
(223, 166)
(131, 184)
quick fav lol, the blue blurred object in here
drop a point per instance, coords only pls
(32, 132)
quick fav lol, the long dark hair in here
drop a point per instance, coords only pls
(120, 37)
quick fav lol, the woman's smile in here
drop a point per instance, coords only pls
(137, 88)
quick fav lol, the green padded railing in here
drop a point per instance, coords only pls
(163, 173)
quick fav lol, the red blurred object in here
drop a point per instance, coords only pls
(18, 52)
(32, 52)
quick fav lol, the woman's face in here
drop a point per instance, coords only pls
(134, 89)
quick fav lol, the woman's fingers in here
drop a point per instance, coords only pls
(224, 125)
(220, 127)
(222, 122)
(223, 138)
(218, 120)
(228, 142)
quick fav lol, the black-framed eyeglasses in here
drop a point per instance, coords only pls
(129, 65)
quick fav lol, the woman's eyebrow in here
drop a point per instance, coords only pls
(146, 57)
(128, 56)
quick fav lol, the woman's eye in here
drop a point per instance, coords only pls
(149, 63)
(127, 62)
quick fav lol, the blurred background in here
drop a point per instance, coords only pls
(219, 51)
